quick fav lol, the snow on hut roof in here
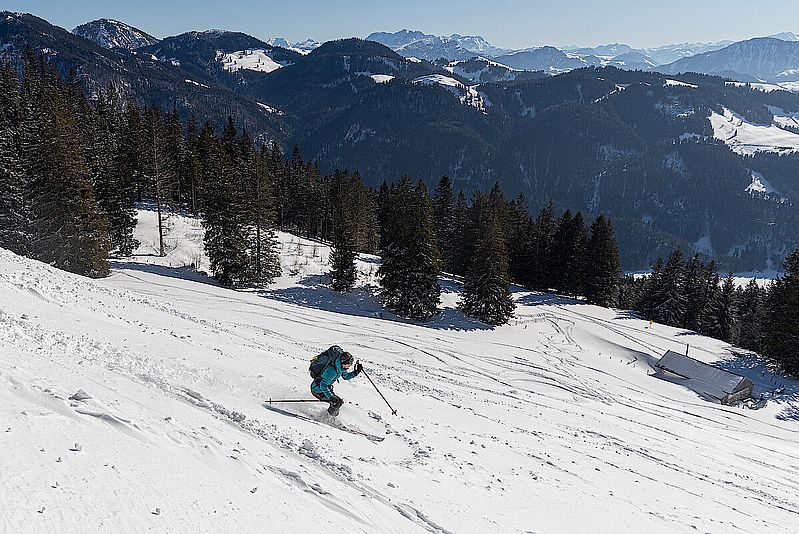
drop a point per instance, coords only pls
(701, 377)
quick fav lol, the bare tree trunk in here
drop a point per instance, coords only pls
(160, 223)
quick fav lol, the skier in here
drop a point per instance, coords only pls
(326, 368)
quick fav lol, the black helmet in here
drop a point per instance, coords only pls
(346, 358)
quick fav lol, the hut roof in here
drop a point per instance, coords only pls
(702, 377)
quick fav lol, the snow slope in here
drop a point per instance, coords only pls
(549, 424)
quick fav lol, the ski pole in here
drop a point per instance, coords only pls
(294, 400)
(393, 411)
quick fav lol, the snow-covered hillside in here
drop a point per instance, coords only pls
(256, 59)
(549, 424)
(110, 33)
(466, 94)
(747, 138)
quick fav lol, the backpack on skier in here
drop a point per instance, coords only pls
(320, 362)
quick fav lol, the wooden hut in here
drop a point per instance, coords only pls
(705, 379)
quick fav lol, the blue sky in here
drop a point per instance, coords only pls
(509, 23)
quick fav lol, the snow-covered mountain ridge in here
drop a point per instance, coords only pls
(509, 429)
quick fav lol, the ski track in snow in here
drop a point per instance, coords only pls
(509, 429)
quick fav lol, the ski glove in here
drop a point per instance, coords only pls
(358, 368)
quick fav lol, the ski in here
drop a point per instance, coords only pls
(332, 423)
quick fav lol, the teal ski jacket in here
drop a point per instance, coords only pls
(331, 374)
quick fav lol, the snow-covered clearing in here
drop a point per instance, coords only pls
(457, 67)
(269, 109)
(769, 87)
(549, 424)
(748, 138)
(198, 84)
(760, 185)
(256, 59)
(466, 94)
(677, 83)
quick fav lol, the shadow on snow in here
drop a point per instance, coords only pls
(183, 273)
(363, 301)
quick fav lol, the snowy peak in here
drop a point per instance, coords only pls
(302, 47)
(431, 47)
(110, 33)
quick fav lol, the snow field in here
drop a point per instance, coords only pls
(512, 429)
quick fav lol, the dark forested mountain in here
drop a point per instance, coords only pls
(110, 33)
(761, 59)
(158, 81)
(652, 151)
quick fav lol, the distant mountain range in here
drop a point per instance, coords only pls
(675, 159)
(770, 60)
(457, 47)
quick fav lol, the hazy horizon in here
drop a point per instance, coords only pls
(509, 24)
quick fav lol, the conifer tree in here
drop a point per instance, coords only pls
(68, 230)
(520, 241)
(696, 294)
(259, 207)
(751, 300)
(345, 191)
(669, 298)
(411, 263)
(542, 268)
(781, 324)
(631, 290)
(724, 315)
(113, 189)
(461, 250)
(264, 221)
(486, 292)
(14, 214)
(225, 220)
(382, 212)
(602, 277)
(649, 290)
(443, 213)
(567, 256)
(709, 327)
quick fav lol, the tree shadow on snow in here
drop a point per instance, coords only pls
(183, 273)
(545, 299)
(363, 301)
(773, 386)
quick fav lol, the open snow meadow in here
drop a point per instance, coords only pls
(550, 424)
